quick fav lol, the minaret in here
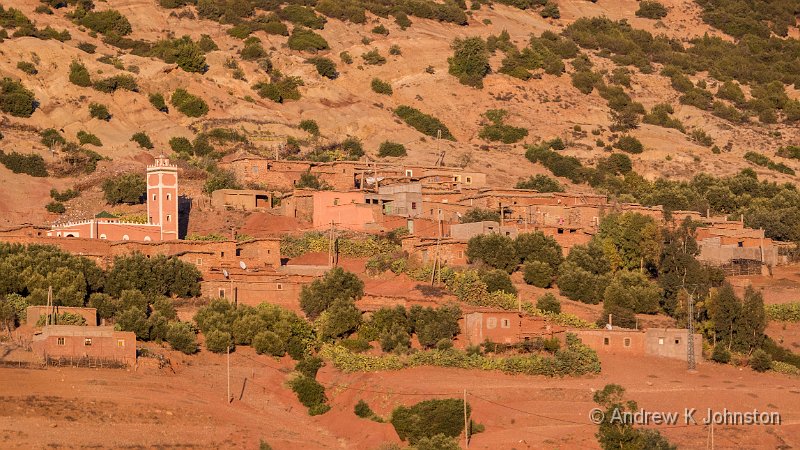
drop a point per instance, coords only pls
(162, 197)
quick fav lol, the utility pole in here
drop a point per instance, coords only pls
(438, 240)
(690, 339)
(466, 421)
(228, 398)
(330, 245)
(49, 317)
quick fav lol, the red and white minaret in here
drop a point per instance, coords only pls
(162, 197)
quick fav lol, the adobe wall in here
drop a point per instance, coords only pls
(671, 343)
(261, 252)
(615, 343)
(108, 347)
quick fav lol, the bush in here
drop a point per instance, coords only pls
(721, 354)
(540, 183)
(88, 138)
(308, 390)
(309, 366)
(480, 215)
(538, 273)
(67, 195)
(325, 67)
(218, 341)
(56, 207)
(337, 284)
(422, 122)
(346, 58)
(470, 61)
(252, 50)
(381, 87)
(373, 58)
(429, 418)
(111, 84)
(392, 149)
(380, 29)
(87, 47)
(585, 81)
(99, 111)
(15, 99)
(279, 90)
(32, 165)
(106, 22)
(180, 144)
(27, 67)
(340, 319)
(550, 10)
(363, 410)
(303, 39)
(496, 130)
(220, 179)
(650, 9)
(51, 137)
(548, 303)
(629, 144)
(494, 250)
(157, 100)
(309, 126)
(188, 104)
(760, 361)
(142, 139)
(270, 343)
(128, 188)
(181, 337)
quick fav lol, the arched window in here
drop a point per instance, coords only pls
(147, 238)
(125, 237)
(169, 196)
(154, 197)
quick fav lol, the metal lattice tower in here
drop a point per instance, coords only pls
(690, 339)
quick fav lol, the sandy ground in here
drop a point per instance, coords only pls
(106, 408)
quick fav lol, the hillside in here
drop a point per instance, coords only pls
(547, 105)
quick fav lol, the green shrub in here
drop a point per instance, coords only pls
(721, 354)
(206, 44)
(111, 84)
(540, 183)
(422, 122)
(357, 345)
(65, 318)
(220, 179)
(470, 61)
(586, 80)
(309, 366)
(494, 250)
(27, 67)
(309, 126)
(550, 10)
(56, 207)
(560, 165)
(325, 67)
(303, 39)
(180, 144)
(765, 161)
(308, 390)
(142, 139)
(51, 137)
(373, 58)
(310, 181)
(381, 87)
(760, 361)
(188, 104)
(538, 273)
(302, 16)
(32, 165)
(218, 341)
(394, 50)
(127, 188)
(181, 337)
(380, 29)
(480, 215)
(157, 100)
(630, 144)
(548, 303)
(279, 90)
(651, 9)
(498, 280)
(67, 195)
(87, 47)
(15, 99)
(184, 52)
(88, 138)
(106, 22)
(429, 418)
(268, 342)
(702, 138)
(363, 410)
(784, 312)
(337, 284)
(391, 149)
(496, 130)
(346, 58)
(660, 115)
(99, 111)
(252, 50)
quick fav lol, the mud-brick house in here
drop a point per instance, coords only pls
(663, 342)
(450, 252)
(75, 342)
(34, 313)
(505, 327)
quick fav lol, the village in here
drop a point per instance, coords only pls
(371, 199)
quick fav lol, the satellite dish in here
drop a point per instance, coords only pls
(225, 273)
(242, 265)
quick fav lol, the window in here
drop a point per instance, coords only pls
(605, 341)
(677, 341)
(335, 201)
(199, 261)
(469, 180)
(61, 341)
(280, 287)
(169, 217)
(147, 238)
(154, 197)
(560, 231)
(125, 237)
(103, 236)
(238, 252)
(87, 342)
(626, 342)
(413, 205)
(169, 196)
(660, 341)
(409, 173)
(221, 254)
(740, 244)
(505, 323)
(491, 322)
(221, 293)
(121, 343)
(254, 169)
